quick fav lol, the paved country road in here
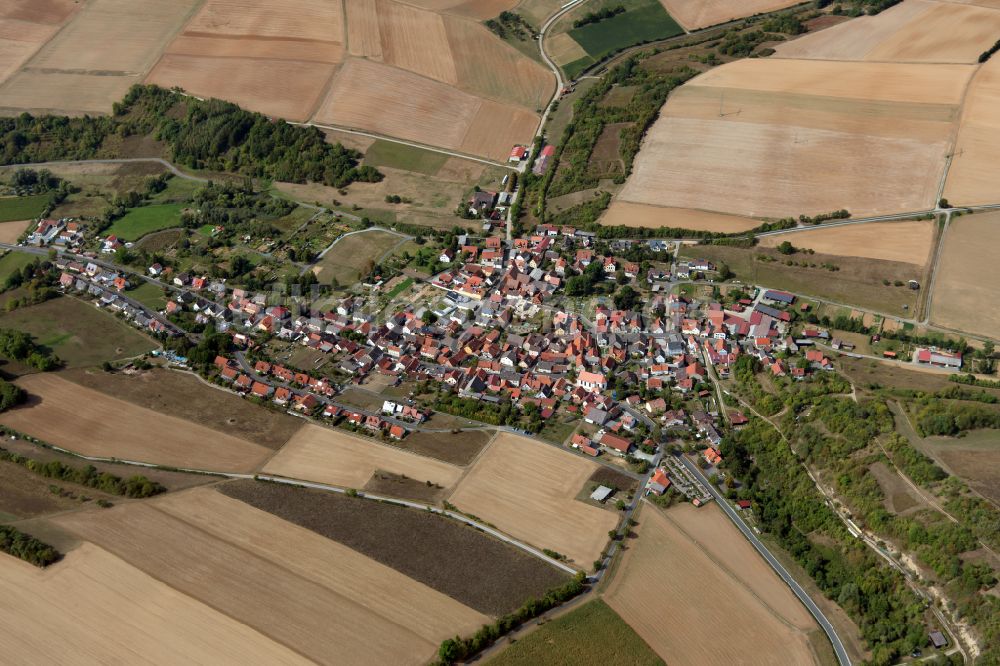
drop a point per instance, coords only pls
(831, 633)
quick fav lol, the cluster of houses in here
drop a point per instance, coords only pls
(62, 233)
(106, 287)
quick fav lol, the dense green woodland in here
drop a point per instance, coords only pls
(841, 440)
(200, 134)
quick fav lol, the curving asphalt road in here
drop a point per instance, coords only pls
(831, 633)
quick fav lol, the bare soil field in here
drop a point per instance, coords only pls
(694, 14)
(83, 600)
(11, 231)
(86, 421)
(184, 396)
(780, 138)
(527, 489)
(681, 571)
(906, 242)
(977, 150)
(208, 546)
(25, 25)
(69, 75)
(967, 275)
(912, 31)
(630, 214)
(465, 564)
(339, 458)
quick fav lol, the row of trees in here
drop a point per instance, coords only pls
(201, 134)
(136, 487)
(15, 542)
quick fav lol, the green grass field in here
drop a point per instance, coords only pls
(149, 295)
(643, 21)
(140, 221)
(400, 156)
(13, 261)
(79, 333)
(591, 635)
(399, 288)
(22, 208)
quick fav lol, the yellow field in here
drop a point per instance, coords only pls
(210, 548)
(972, 176)
(694, 589)
(908, 242)
(95, 424)
(968, 273)
(641, 215)
(694, 14)
(563, 49)
(777, 138)
(912, 31)
(342, 459)
(527, 489)
(105, 610)
(68, 74)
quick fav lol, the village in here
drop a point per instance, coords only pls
(629, 384)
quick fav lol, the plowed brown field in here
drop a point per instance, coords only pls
(777, 138)
(342, 459)
(689, 565)
(95, 424)
(106, 610)
(527, 489)
(693, 14)
(331, 603)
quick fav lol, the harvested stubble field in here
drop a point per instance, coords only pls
(630, 214)
(911, 31)
(694, 14)
(859, 280)
(399, 103)
(685, 567)
(780, 138)
(25, 25)
(68, 75)
(905, 242)
(972, 176)
(477, 570)
(208, 546)
(339, 458)
(11, 231)
(83, 600)
(80, 334)
(968, 273)
(527, 489)
(591, 635)
(184, 396)
(92, 423)
(268, 56)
